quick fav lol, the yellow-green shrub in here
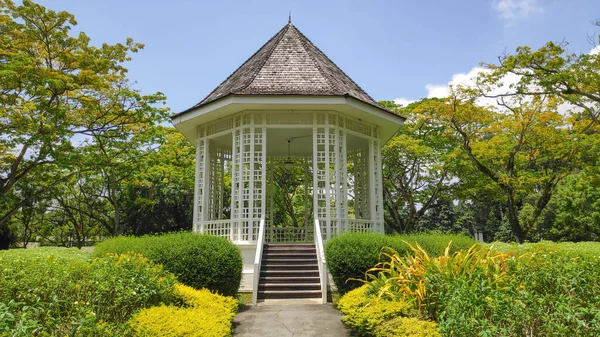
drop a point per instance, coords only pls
(206, 314)
(203, 299)
(364, 312)
(169, 321)
(407, 327)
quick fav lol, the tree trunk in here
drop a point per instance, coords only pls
(513, 218)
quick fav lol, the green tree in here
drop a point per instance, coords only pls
(517, 148)
(57, 90)
(417, 166)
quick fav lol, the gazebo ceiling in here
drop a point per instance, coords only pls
(288, 71)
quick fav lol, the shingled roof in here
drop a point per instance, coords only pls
(288, 64)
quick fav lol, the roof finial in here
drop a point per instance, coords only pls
(290, 18)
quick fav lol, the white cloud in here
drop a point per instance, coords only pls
(511, 10)
(443, 90)
(595, 50)
(403, 101)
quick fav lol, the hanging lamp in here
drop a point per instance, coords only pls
(289, 163)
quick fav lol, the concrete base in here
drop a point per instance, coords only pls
(248, 253)
(290, 319)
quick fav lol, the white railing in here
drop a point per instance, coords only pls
(360, 225)
(321, 260)
(289, 234)
(220, 228)
(258, 260)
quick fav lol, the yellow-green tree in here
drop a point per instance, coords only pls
(56, 91)
(522, 146)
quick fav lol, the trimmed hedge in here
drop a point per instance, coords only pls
(350, 255)
(199, 261)
(407, 327)
(207, 315)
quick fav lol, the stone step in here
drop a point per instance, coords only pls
(288, 255)
(290, 279)
(290, 273)
(268, 294)
(290, 250)
(270, 261)
(289, 266)
(289, 286)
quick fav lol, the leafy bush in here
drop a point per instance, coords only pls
(364, 312)
(54, 291)
(207, 315)
(540, 290)
(350, 255)
(223, 306)
(199, 261)
(170, 321)
(550, 293)
(421, 279)
(117, 285)
(407, 327)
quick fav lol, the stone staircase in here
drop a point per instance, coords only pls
(289, 271)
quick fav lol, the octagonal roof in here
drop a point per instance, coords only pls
(288, 64)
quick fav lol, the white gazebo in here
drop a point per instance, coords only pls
(287, 106)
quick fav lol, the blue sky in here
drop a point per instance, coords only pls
(392, 49)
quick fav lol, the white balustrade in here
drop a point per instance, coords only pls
(322, 263)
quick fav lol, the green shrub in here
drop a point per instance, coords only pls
(350, 255)
(551, 293)
(117, 285)
(38, 275)
(223, 306)
(407, 327)
(170, 321)
(207, 315)
(58, 292)
(199, 261)
(364, 312)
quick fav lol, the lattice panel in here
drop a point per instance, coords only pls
(333, 179)
(219, 126)
(361, 183)
(200, 143)
(258, 178)
(359, 127)
(377, 186)
(218, 228)
(321, 176)
(342, 172)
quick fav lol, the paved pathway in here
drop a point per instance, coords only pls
(278, 319)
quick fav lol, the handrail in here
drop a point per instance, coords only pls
(321, 260)
(258, 260)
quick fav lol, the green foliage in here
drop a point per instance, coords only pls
(205, 314)
(419, 279)
(55, 85)
(541, 289)
(350, 255)
(364, 312)
(54, 291)
(417, 166)
(407, 327)
(199, 261)
(574, 211)
(550, 292)
(170, 321)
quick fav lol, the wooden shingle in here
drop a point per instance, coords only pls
(288, 64)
